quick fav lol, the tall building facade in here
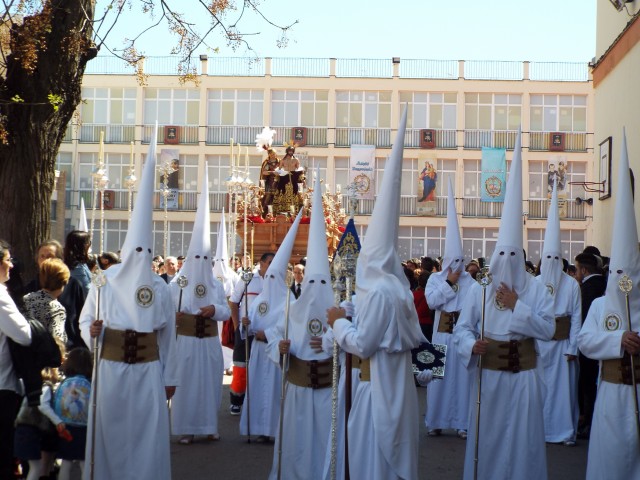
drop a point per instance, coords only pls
(615, 69)
(454, 109)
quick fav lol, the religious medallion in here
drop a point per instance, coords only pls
(144, 296)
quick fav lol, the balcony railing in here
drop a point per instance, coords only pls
(573, 142)
(539, 209)
(235, 67)
(492, 70)
(444, 138)
(300, 67)
(187, 201)
(437, 69)
(316, 136)
(222, 135)
(90, 133)
(380, 137)
(68, 134)
(490, 138)
(188, 134)
(559, 71)
(364, 68)
(473, 207)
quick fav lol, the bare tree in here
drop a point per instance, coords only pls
(45, 46)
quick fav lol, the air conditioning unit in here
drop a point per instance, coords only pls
(427, 138)
(299, 135)
(556, 142)
(171, 135)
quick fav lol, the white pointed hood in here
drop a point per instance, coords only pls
(379, 269)
(197, 264)
(551, 263)
(133, 282)
(625, 258)
(269, 306)
(221, 269)
(82, 220)
(453, 255)
(507, 263)
(310, 309)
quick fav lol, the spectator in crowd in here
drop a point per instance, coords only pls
(108, 259)
(76, 256)
(472, 268)
(171, 268)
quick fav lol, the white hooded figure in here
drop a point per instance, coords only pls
(605, 336)
(133, 298)
(559, 356)
(446, 291)
(265, 312)
(228, 277)
(382, 426)
(306, 409)
(200, 303)
(82, 220)
(518, 309)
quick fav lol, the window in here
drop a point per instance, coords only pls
(357, 109)
(563, 113)
(479, 242)
(219, 171)
(539, 174)
(179, 236)
(430, 110)
(114, 234)
(108, 106)
(571, 243)
(171, 106)
(235, 107)
(303, 108)
(492, 111)
(64, 163)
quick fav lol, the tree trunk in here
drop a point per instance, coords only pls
(35, 127)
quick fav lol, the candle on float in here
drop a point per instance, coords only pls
(246, 159)
(338, 189)
(131, 158)
(101, 149)
(231, 158)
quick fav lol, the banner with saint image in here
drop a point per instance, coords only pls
(427, 177)
(493, 178)
(557, 170)
(362, 170)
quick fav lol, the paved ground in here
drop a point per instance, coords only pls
(440, 457)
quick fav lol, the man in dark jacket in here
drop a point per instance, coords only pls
(592, 285)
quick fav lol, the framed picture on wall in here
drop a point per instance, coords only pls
(604, 169)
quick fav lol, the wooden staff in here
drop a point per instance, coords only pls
(98, 280)
(484, 280)
(283, 385)
(348, 386)
(335, 378)
(626, 285)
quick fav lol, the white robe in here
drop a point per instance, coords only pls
(383, 424)
(561, 377)
(613, 444)
(132, 419)
(263, 393)
(511, 441)
(195, 405)
(327, 340)
(307, 411)
(448, 398)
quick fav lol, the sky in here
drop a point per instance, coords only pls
(533, 30)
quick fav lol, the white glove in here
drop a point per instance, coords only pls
(349, 308)
(424, 377)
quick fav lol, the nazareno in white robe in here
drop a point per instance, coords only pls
(132, 419)
(307, 411)
(561, 377)
(511, 442)
(195, 405)
(383, 424)
(448, 398)
(613, 443)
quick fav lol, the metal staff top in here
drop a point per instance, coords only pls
(625, 284)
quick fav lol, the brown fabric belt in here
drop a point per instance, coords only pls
(129, 346)
(618, 370)
(309, 373)
(365, 370)
(356, 361)
(447, 321)
(196, 326)
(563, 326)
(512, 356)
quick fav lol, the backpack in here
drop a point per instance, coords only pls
(71, 401)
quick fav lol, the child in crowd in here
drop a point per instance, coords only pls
(71, 404)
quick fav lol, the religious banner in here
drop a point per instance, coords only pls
(493, 179)
(169, 167)
(362, 170)
(427, 178)
(557, 170)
